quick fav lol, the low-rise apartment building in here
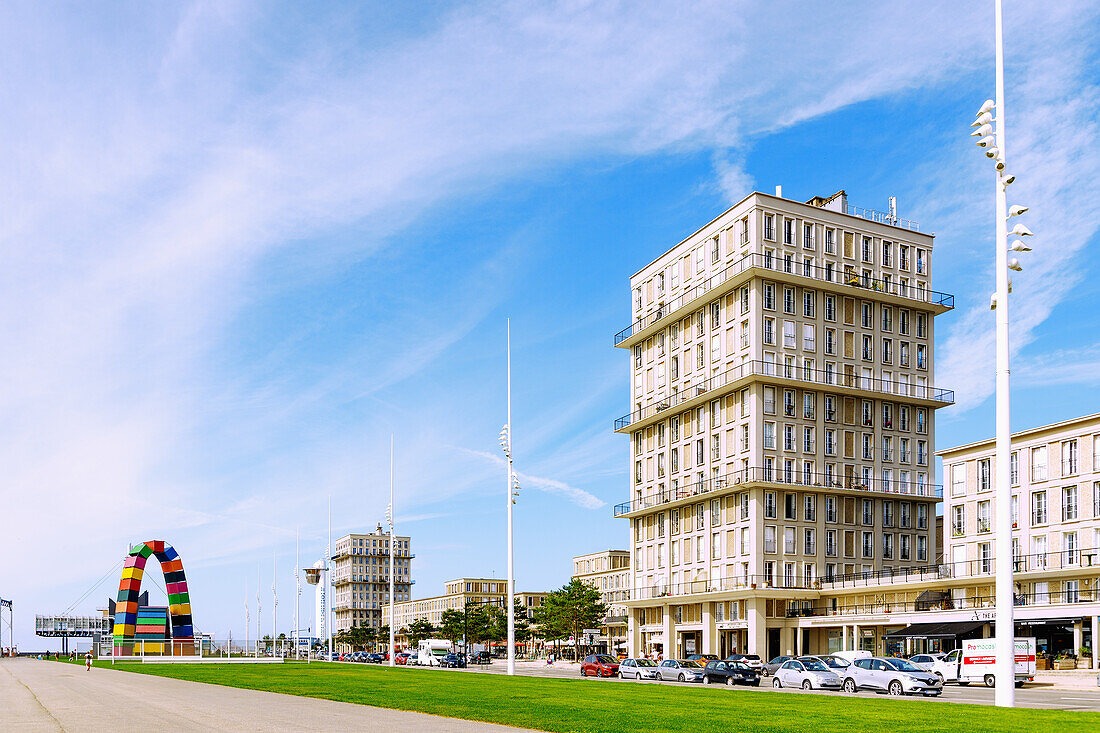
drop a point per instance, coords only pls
(609, 572)
(361, 577)
(457, 595)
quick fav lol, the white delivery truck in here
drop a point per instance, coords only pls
(978, 658)
(431, 651)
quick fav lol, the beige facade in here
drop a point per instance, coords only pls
(609, 572)
(361, 577)
(1055, 476)
(457, 594)
(782, 423)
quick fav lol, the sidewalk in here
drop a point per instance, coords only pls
(1070, 679)
(51, 696)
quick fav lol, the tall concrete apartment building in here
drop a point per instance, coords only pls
(1055, 475)
(782, 424)
(361, 577)
(609, 572)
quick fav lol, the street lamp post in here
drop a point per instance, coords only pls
(389, 518)
(991, 133)
(513, 492)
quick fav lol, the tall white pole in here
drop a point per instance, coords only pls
(393, 570)
(328, 580)
(508, 498)
(258, 608)
(1004, 671)
(274, 605)
(298, 594)
(247, 620)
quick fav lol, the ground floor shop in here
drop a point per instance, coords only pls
(774, 627)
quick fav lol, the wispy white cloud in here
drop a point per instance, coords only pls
(580, 497)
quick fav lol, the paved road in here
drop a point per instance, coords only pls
(51, 696)
(1037, 695)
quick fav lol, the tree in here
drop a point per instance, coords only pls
(499, 623)
(569, 610)
(418, 630)
(384, 636)
(453, 627)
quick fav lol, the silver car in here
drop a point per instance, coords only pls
(895, 676)
(638, 669)
(809, 673)
(927, 662)
(681, 670)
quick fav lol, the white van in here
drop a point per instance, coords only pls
(430, 651)
(978, 657)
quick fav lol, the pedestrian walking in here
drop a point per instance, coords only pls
(88, 661)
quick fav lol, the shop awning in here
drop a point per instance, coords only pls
(937, 630)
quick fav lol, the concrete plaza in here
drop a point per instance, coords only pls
(50, 696)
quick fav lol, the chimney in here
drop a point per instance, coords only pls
(779, 192)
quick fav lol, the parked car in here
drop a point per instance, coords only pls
(600, 665)
(926, 661)
(775, 664)
(681, 670)
(702, 659)
(837, 664)
(895, 676)
(482, 657)
(402, 658)
(375, 658)
(719, 672)
(453, 660)
(638, 669)
(752, 660)
(809, 673)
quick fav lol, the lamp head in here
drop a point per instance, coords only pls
(1016, 210)
(987, 106)
(992, 151)
(986, 141)
(1020, 231)
(983, 119)
(1014, 264)
(1019, 246)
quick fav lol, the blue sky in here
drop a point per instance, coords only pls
(243, 244)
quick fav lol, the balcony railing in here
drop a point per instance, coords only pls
(881, 217)
(817, 377)
(1070, 559)
(758, 259)
(814, 480)
(718, 585)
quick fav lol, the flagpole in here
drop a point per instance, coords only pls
(298, 596)
(259, 609)
(247, 620)
(393, 570)
(274, 606)
(328, 580)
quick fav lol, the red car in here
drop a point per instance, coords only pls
(401, 658)
(601, 665)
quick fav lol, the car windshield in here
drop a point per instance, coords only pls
(753, 657)
(604, 659)
(645, 663)
(814, 665)
(903, 665)
(835, 663)
(689, 663)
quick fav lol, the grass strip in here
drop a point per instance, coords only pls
(553, 704)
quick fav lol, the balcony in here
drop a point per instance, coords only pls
(754, 369)
(906, 294)
(718, 585)
(776, 477)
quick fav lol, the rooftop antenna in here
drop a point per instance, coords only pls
(894, 210)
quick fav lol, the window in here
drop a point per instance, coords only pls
(887, 546)
(830, 509)
(887, 514)
(887, 351)
(830, 241)
(868, 348)
(922, 262)
(769, 330)
(984, 523)
(1039, 507)
(867, 314)
(868, 544)
(921, 321)
(865, 250)
(1014, 469)
(788, 334)
(769, 400)
(769, 505)
(887, 319)
(714, 250)
(984, 483)
(985, 558)
(788, 300)
(789, 547)
(922, 548)
(905, 541)
(769, 227)
(809, 303)
(830, 341)
(887, 254)
(810, 508)
(958, 520)
(1069, 503)
(1039, 464)
(922, 516)
(906, 516)
(769, 538)
(1069, 548)
(830, 308)
(790, 508)
(830, 543)
(788, 231)
(809, 542)
(808, 236)
(1069, 458)
(830, 408)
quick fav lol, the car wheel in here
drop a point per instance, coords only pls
(638, 677)
(960, 683)
(990, 681)
(729, 681)
(682, 678)
(940, 675)
(622, 676)
(776, 683)
(706, 679)
(849, 685)
(806, 685)
(583, 673)
(1019, 683)
(895, 689)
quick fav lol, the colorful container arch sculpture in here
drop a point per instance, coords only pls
(147, 624)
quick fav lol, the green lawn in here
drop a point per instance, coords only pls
(613, 707)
